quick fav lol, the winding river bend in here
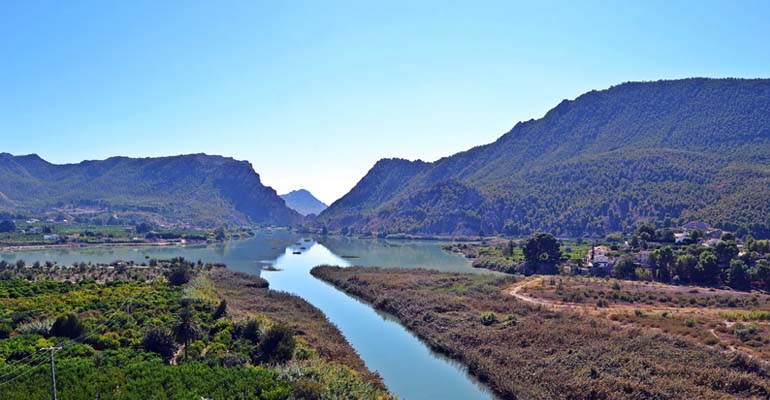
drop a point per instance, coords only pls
(409, 368)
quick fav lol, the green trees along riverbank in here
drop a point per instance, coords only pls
(169, 333)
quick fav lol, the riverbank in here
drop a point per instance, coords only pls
(525, 350)
(88, 245)
(248, 296)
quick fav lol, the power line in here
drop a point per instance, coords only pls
(27, 372)
(13, 369)
(80, 338)
(102, 325)
(53, 373)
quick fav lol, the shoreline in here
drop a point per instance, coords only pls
(86, 245)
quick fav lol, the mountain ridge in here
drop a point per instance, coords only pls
(599, 163)
(192, 189)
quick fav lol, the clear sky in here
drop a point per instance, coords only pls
(314, 93)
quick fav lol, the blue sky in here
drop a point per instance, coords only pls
(314, 93)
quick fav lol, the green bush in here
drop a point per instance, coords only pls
(305, 389)
(278, 345)
(67, 326)
(250, 331)
(161, 342)
(488, 318)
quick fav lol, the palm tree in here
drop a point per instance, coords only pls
(187, 329)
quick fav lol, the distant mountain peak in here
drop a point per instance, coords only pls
(303, 202)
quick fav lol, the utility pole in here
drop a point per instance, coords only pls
(53, 374)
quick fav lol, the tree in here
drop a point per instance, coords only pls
(7, 226)
(186, 330)
(661, 261)
(624, 268)
(542, 248)
(179, 274)
(708, 269)
(665, 235)
(750, 243)
(728, 237)
(161, 342)
(278, 345)
(725, 251)
(143, 228)
(646, 232)
(685, 267)
(737, 275)
(67, 326)
(761, 273)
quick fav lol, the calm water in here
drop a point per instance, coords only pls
(408, 367)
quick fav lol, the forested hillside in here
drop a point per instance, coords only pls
(692, 149)
(195, 189)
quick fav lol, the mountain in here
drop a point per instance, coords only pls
(196, 189)
(691, 149)
(303, 202)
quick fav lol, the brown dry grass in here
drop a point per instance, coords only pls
(709, 316)
(536, 352)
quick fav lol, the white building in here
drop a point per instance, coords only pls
(680, 238)
(598, 257)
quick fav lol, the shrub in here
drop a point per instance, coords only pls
(278, 345)
(250, 331)
(305, 389)
(161, 342)
(230, 361)
(5, 331)
(221, 310)
(36, 327)
(216, 350)
(746, 333)
(67, 326)
(602, 303)
(109, 340)
(511, 320)
(195, 349)
(179, 275)
(488, 318)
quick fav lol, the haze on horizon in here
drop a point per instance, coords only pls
(313, 94)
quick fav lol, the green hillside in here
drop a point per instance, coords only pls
(195, 189)
(692, 149)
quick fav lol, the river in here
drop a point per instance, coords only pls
(408, 367)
